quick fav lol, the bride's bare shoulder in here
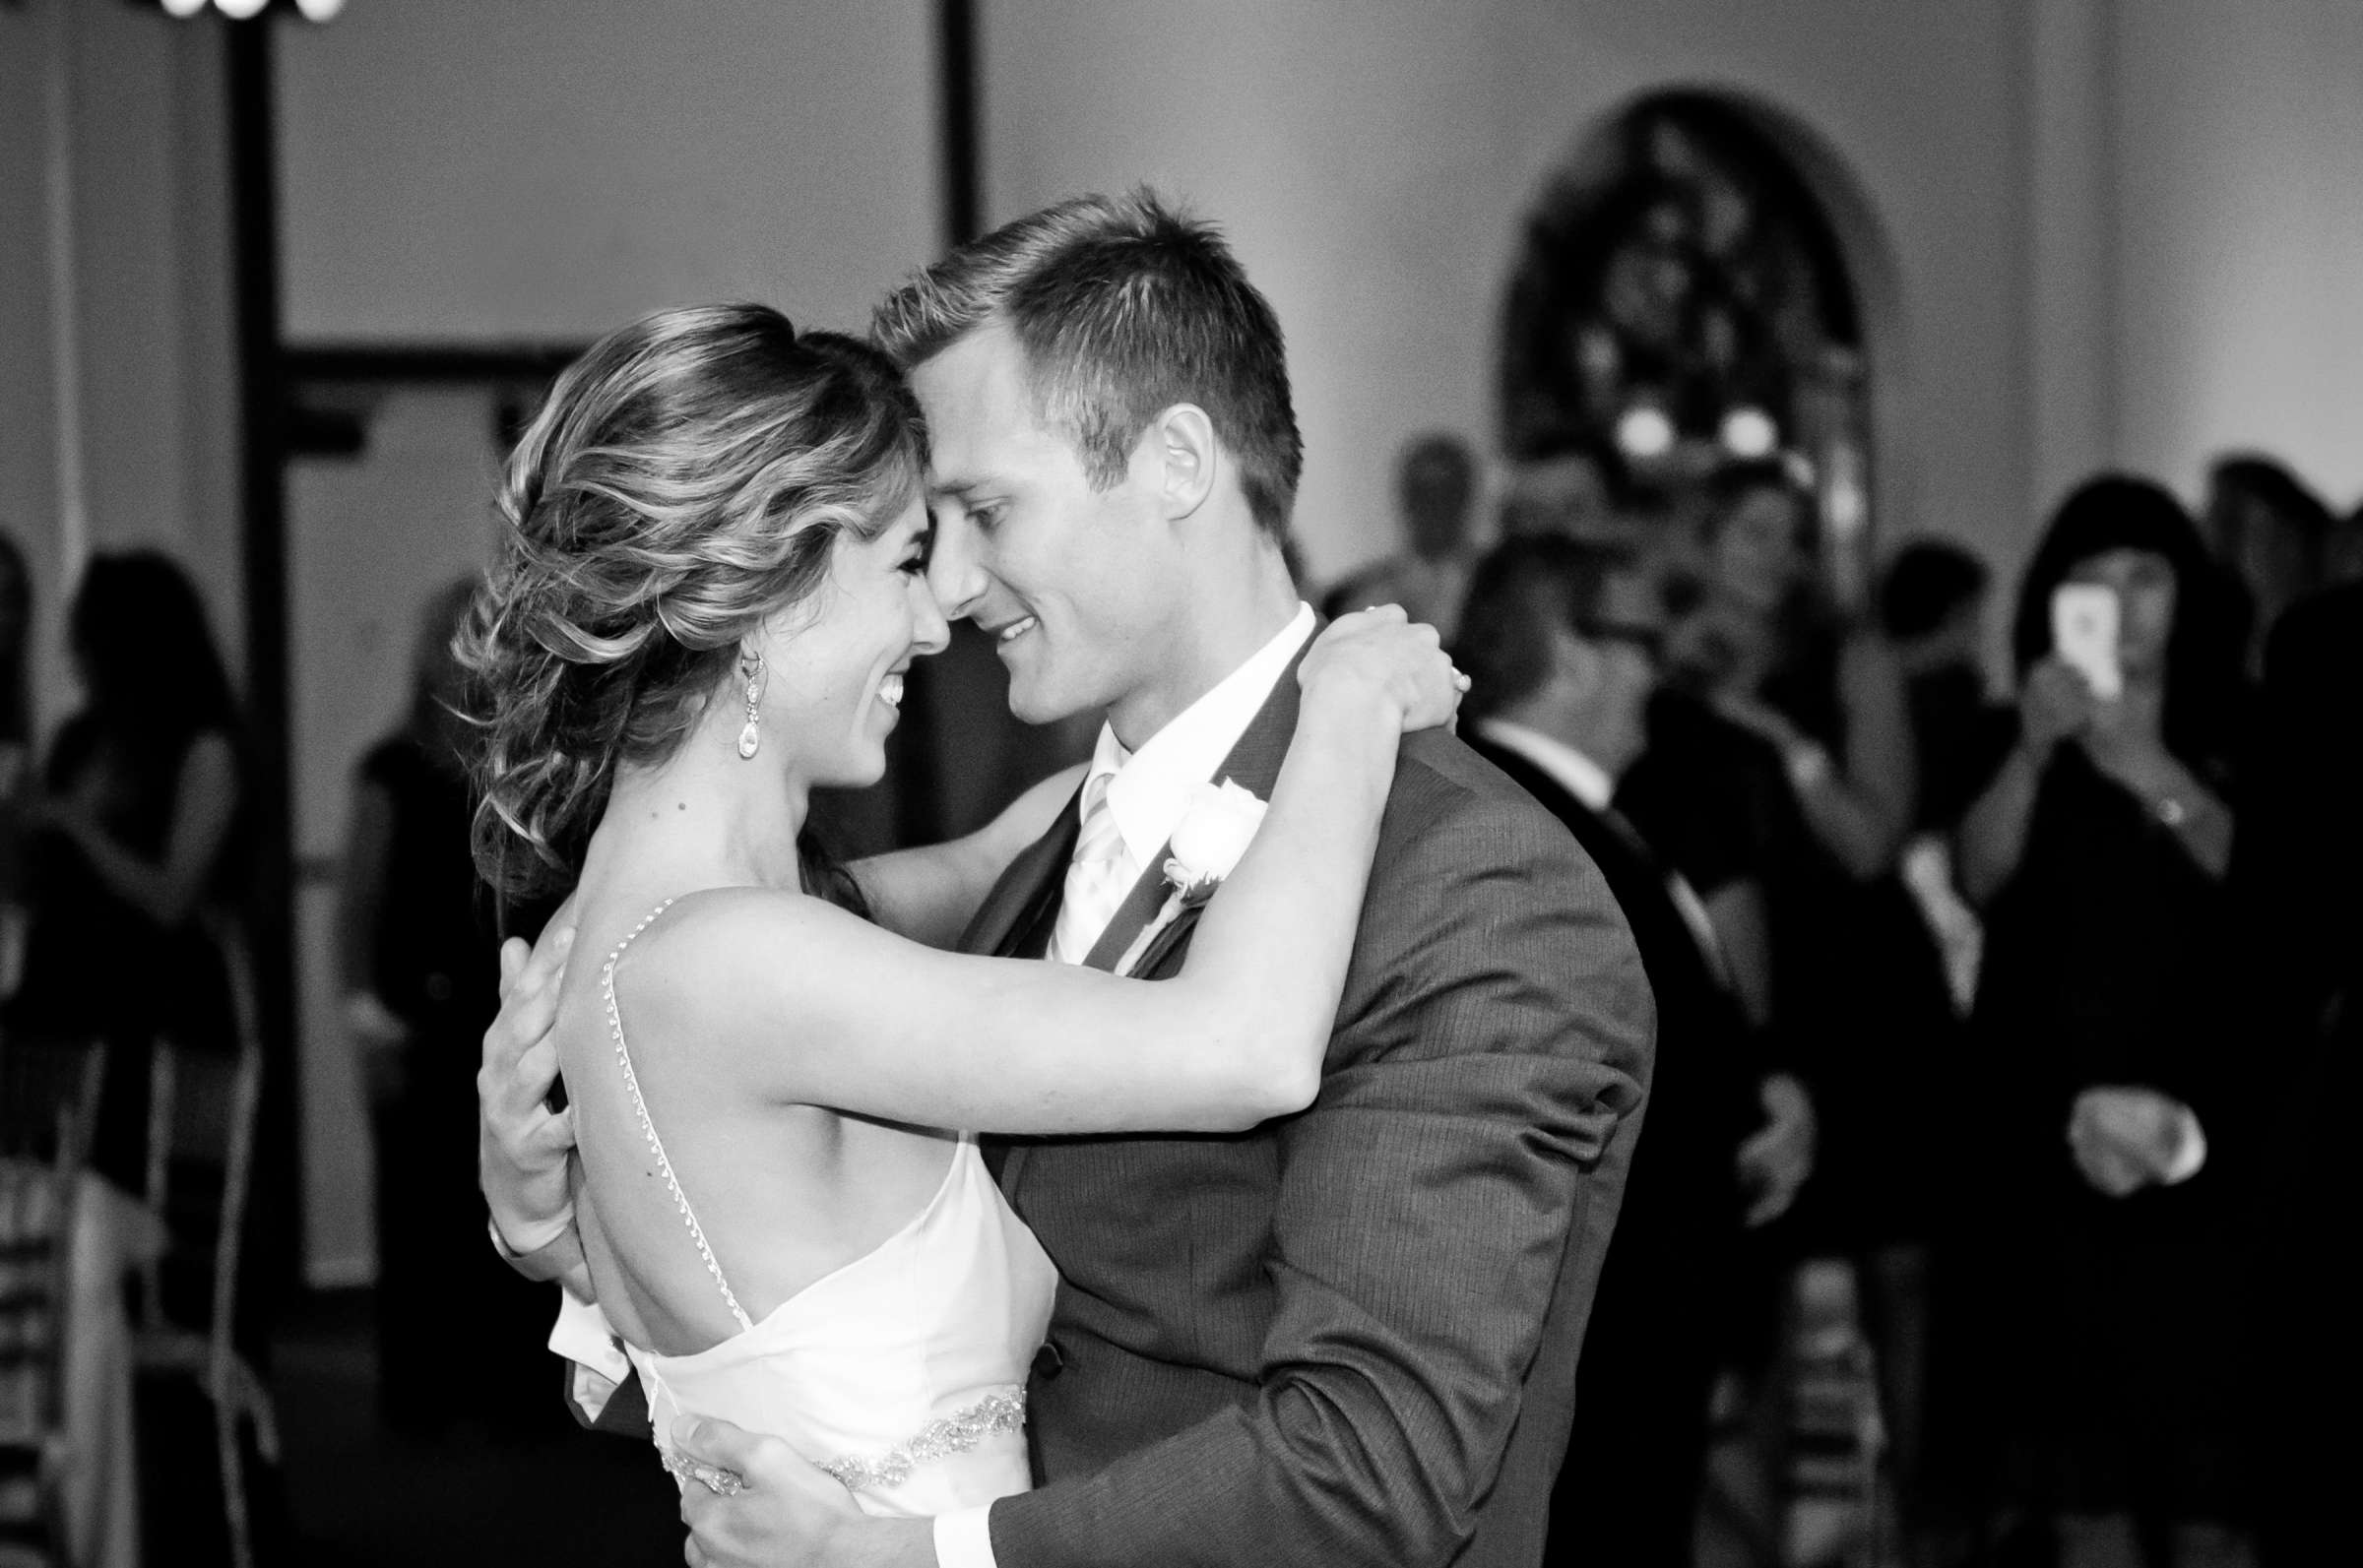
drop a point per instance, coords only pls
(747, 959)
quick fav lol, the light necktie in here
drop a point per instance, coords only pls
(1099, 876)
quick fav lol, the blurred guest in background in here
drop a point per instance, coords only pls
(2297, 862)
(138, 843)
(1932, 610)
(1561, 640)
(2272, 531)
(1858, 988)
(2343, 560)
(16, 754)
(2098, 1273)
(420, 968)
(1932, 606)
(1435, 490)
(1579, 492)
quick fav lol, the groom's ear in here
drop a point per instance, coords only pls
(1182, 443)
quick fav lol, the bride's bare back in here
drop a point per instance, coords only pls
(784, 1194)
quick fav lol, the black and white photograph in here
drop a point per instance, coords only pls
(1070, 784)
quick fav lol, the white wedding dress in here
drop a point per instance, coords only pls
(903, 1372)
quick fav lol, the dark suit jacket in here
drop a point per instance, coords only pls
(1348, 1336)
(2297, 862)
(2297, 865)
(1629, 1489)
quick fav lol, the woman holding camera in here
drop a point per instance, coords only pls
(2097, 1290)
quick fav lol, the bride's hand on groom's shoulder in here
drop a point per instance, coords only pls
(789, 1511)
(1383, 652)
(523, 1141)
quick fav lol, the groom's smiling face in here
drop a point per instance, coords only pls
(1065, 578)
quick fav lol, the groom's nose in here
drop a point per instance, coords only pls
(954, 570)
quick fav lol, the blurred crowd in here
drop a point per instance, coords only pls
(126, 872)
(123, 855)
(2010, 965)
(2032, 999)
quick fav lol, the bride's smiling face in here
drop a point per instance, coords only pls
(834, 665)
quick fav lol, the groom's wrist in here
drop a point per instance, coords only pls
(962, 1537)
(542, 1250)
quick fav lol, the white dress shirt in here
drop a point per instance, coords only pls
(1148, 793)
(1149, 790)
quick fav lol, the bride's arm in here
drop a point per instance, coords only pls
(929, 892)
(883, 1026)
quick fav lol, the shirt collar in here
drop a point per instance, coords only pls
(1148, 789)
(1568, 768)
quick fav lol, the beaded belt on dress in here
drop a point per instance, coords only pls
(1003, 1410)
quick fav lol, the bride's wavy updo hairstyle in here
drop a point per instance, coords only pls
(687, 479)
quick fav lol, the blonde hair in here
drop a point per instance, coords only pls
(687, 479)
(1125, 307)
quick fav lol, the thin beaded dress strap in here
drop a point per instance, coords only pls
(631, 1081)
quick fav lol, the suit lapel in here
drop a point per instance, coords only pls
(1253, 765)
(1013, 923)
(1139, 907)
(1024, 903)
(1014, 907)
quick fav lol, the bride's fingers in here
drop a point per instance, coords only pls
(1359, 621)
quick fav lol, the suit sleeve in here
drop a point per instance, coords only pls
(1500, 1028)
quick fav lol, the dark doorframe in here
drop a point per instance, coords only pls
(250, 85)
(959, 118)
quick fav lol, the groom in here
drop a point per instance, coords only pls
(1346, 1337)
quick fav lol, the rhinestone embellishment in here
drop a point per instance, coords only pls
(721, 1483)
(1001, 1411)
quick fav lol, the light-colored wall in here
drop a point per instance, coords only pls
(550, 169)
(369, 538)
(2239, 157)
(29, 498)
(116, 136)
(2116, 231)
(1374, 160)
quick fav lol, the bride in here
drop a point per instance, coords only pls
(712, 584)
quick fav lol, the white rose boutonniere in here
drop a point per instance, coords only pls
(1214, 832)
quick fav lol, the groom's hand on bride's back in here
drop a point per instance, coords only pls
(788, 1514)
(522, 1141)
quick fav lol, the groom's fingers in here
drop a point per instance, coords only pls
(547, 964)
(527, 1014)
(535, 1071)
(513, 954)
(553, 1135)
(711, 1441)
(546, 968)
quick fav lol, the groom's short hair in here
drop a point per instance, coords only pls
(1124, 307)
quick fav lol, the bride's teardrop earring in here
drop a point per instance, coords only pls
(750, 739)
